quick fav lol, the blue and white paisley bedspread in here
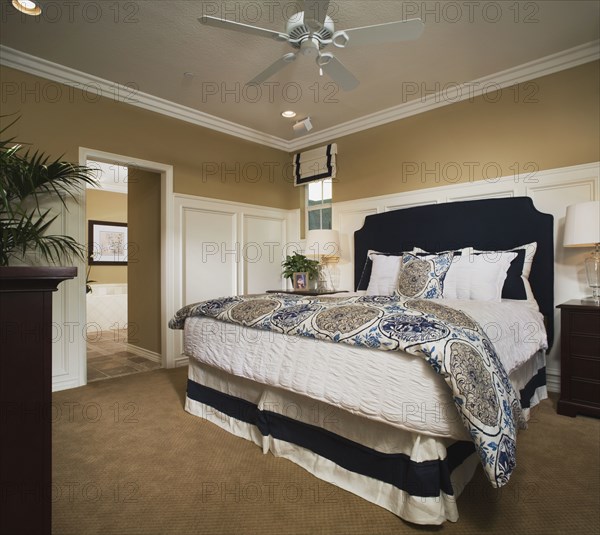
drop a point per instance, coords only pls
(452, 343)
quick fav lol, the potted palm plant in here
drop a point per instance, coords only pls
(28, 179)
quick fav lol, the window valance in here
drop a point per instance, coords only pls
(315, 164)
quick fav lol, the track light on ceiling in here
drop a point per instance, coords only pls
(303, 126)
(29, 7)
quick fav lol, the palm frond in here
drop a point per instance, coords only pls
(18, 236)
(32, 178)
(35, 175)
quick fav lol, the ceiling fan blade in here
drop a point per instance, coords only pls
(245, 28)
(339, 74)
(315, 12)
(273, 69)
(388, 32)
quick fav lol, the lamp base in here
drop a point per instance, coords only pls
(591, 300)
(328, 275)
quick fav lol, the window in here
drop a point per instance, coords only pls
(315, 169)
(318, 204)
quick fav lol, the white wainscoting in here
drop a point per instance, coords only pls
(552, 191)
(227, 248)
(68, 302)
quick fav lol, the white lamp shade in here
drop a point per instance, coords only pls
(322, 243)
(582, 224)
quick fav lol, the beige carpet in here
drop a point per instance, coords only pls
(127, 460)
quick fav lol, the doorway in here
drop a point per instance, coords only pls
(120, 339)
(116, 345)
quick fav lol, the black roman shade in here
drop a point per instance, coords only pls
(315, 164)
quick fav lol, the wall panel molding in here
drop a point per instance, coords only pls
(68, 305)
(227, 248)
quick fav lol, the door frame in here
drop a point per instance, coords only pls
(167, 293)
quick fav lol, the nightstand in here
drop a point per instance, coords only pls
(579, 359)
(307, 292)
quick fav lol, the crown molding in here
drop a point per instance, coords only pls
(469, 90)
(534, 69)
(16, 59)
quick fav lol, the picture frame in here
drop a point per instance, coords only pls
(107, 243)
(300, 280)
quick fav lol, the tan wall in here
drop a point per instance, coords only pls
(106, 206)
(546, 123)
(143, 290)
(59, 120)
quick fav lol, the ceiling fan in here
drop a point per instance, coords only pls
(311, 30)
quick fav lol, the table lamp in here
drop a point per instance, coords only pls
(324, 244)
(582, 229)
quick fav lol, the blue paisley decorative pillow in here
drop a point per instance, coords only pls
(423, 277)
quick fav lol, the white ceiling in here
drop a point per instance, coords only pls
(150, 44)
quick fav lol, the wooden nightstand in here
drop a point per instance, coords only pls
(306, 292)
(579, 359)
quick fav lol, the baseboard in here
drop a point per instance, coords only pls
(552, 380)
(140, 351)
(182, 360)
(57, 386)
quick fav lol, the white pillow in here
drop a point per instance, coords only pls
(466, 254)
(384, 273)
(530, 249)
(450, 282)
(476, 276)
(461, 256)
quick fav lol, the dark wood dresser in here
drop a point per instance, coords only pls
(26, 396)
(580, 359)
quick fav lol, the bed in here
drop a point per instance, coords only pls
(400, 420)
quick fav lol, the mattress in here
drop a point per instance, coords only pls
(394, 388)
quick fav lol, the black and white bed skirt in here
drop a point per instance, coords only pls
(413, 475)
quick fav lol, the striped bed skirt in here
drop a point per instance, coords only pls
(416, 476)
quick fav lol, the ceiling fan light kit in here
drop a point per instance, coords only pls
(311, 30)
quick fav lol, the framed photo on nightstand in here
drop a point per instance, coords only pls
(300, 280)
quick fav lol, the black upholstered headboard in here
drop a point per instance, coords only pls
(490, 224)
